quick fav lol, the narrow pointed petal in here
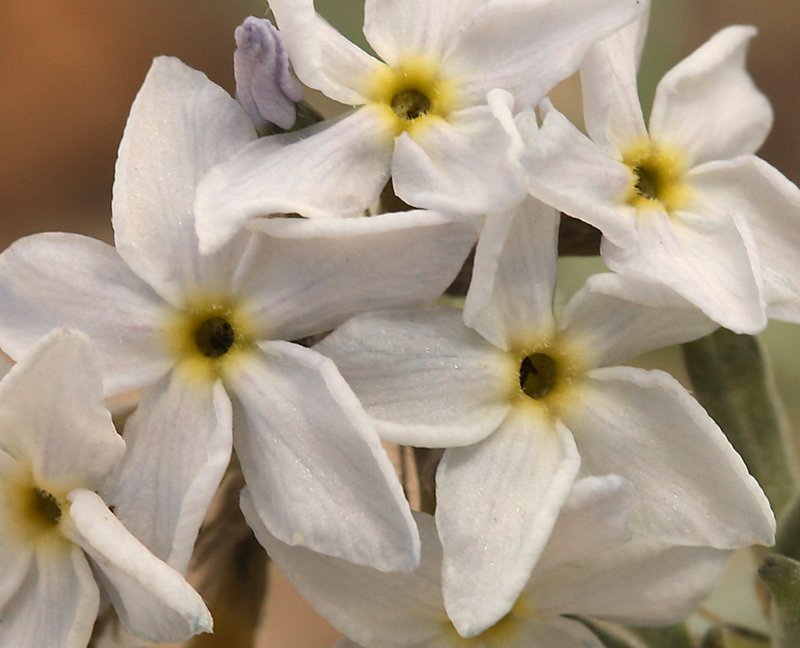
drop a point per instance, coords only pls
(181, 124)
(57, 602)
(55, 395)
(396, 27)
(771, 205)
(614, 318)
(58, 280)
(340, 268)
(313, 463)
(460, 165)
(708, 105)
(514, 275)
(497, 502)
(640, 583)
(688, 485)
(709, 257)
(611, 109)
(527, 48)
(570, 172)
(423, 377)
(179, 445)
(331, 170)
(376, 609)
(322, 58)
(151, 599)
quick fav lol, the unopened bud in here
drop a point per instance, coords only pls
(265, 86)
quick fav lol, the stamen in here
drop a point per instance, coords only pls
(537, 375)
(648, 182)
(214, 337)
(410, 104)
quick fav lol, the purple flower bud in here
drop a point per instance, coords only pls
(265, 86)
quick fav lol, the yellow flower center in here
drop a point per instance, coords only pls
(656, 176)
(412, 94)
(209, 335)
(503, 633)
(36, 512)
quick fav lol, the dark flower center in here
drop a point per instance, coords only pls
(214, 337)
(537, 375)
(410, 104)
(46, 506)
(649, 182)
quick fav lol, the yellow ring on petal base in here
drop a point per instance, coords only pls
(546, 373)
(35, 512)
(656, 176)
(209, 336)
(411, 95)
(505, 632)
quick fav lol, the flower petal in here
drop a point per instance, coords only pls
(313, 463)
(55, 280)
(528, 47)
(708, 105)
(497, 502)
(395, 28)
(52, 415)
(181, 124)
(57, 603)
(771, 205)
(380, 610)
(614, 318)
(514, 276)
(322, 58)
(689, 486)
(179, 445)
(330, 170)
(707, 256)
(460, 165)
(16, 550)
(423, 377)
(308, 277)
(611, 109)
(151, 599)
(640, 583)
(557, 632)
(593, 519)
(570, 172)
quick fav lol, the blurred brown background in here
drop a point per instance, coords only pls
(69, 70)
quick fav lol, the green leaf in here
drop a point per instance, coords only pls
(782, 576)
(733, 381)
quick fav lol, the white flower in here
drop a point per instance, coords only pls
(682, 202)
(586, 569)
(533, 403)
(59, 543)
(423, 113)
(208, 337)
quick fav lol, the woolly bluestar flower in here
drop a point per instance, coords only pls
(588, 568)
(535, 403)
(423, 113)
(208, 337)
(682, 202)
(60, 545)
(265, 86)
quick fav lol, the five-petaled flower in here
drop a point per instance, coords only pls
(208, 337)
(60, 545)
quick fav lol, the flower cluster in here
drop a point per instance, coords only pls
(272, 316)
